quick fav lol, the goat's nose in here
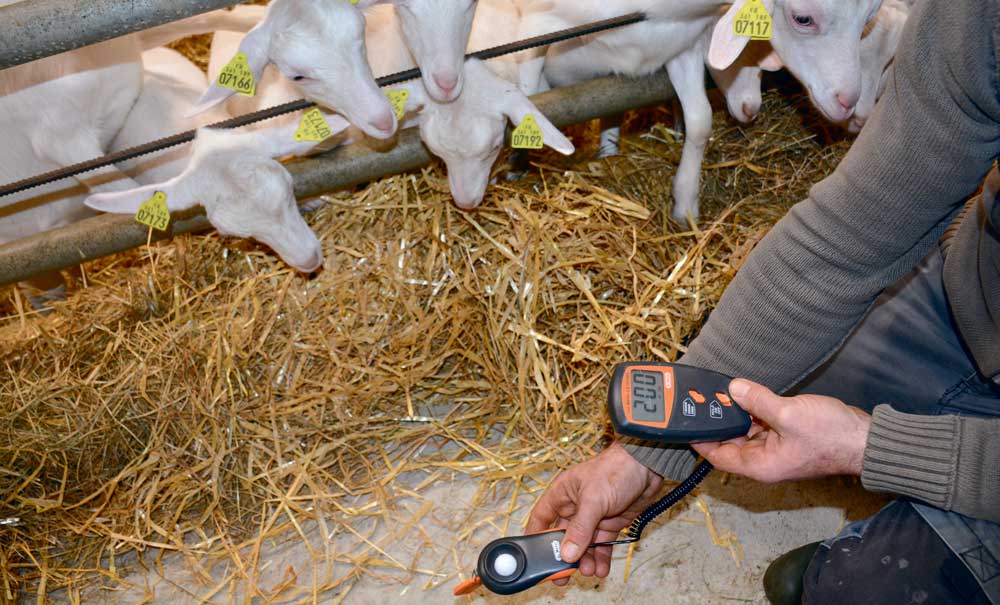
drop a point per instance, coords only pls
(848, 99)
(750, 110)
(314, 262)
(383, 122)
(446, 81)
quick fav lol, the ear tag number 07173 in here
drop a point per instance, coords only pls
(154, 213)
(753, 21)
(238, 76)
(313, 127)
(527, 135)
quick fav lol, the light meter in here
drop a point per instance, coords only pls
(673, 403)
(649, 400)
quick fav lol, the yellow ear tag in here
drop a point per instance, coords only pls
(154, 213)
(238, 76)
(354, 1)
(754, 21)
(313, 127)
(527, 135)
(398, 99)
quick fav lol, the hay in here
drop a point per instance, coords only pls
(198, 396)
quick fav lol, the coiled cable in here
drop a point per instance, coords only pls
(656, 509)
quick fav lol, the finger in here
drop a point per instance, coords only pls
(704, 449)
(581, 527)
(587, 564)
(602, 561)
(757, 400)
(745, 459)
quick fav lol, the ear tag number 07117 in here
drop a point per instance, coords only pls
(154, 213)
(238, 76)
(527, 135)
(753, 21)
(313, 127)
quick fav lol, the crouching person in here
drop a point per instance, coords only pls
(885, 334)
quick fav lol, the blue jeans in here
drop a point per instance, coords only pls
(907, 353)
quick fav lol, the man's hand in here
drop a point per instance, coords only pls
(801, 437)
(594, 500)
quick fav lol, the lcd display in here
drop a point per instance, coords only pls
(647, 396)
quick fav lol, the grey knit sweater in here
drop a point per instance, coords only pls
(926, 149)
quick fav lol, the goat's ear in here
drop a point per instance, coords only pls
(726, 46)
(256, 47)
(517, 106)
(128, 202)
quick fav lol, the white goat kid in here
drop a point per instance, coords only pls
(468, 134)
(437, 35)
(245, 193)
(818, 40)
(320, 46)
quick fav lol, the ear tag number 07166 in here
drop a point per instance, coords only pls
(154, 213)
(527, 135)
(753, 21)
(238, 76)
(313, 127)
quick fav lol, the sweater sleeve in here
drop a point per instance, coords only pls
(947, 461)
(928, 145)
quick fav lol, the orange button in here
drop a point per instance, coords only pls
(724, 399)
(698, 397)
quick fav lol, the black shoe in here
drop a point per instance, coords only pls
(783, 578)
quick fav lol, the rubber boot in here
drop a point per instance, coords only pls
(783, 578)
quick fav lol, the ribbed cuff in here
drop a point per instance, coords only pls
(912, 455)
(670, 462)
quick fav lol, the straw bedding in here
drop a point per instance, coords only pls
(199, 395)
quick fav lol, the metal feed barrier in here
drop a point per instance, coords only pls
(76, 23)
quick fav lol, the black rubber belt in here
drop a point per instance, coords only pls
(272, 112)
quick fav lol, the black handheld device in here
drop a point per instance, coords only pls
(509, 565)
(673, 403)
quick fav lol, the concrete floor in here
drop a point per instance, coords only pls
(678, 562)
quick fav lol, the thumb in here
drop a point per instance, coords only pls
(581, 529)
(757, 400)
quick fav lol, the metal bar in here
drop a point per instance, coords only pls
(33, 29)
(270, 112)
(338, 169)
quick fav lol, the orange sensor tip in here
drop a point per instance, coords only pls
(467, 586)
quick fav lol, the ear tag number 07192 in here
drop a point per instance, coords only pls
(313, 127)
(154, 213)
(753, 21)
(527, 135)
(238, 76)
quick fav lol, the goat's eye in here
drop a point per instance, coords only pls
(299, 78)
(804, 20)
